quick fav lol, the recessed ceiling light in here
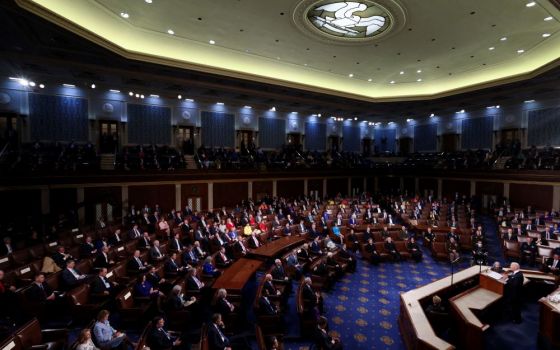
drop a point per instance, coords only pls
(530, 4)
(392, 82)
(248, 107)
(179, 97)
(42, 86)
(124, 15)
(520, 51)
(319, 115)
(137, 95)
(220, 103)
(491, 48)
(189, 100)
(154, 96)
(418, 80)
(549, 18)
(498, 106)
(529, 101)
(350, 75)
(369, 79)
(401, 72)
(93, 86)
(432, 115)
(409, 120)
(141, 96)
(114, 91)
(148, 1)
(461, 111)
(170, 31)
(419, 71)
(131, 93)
(355, 118)
(503, 38)
(211, 42)
(69, 85)
(32, 83)
(546, 35)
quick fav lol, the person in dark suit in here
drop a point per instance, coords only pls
(71, 277)
(155, 253)
(6, 246)
(102, 259)
(222, 305)
(171, 268)
(135, 265)
(175, 243)
(189, 257)
(217, 340)
(347, 256)
(160, 339)
(312, 300)
(192, 281)
(144, 241)
(392, 249)
(322, 339)
(513, 292)
(529, 250)
(370, 248)
(115, 239)
(101, 287)
(315, 247)
(60, 257)
(222, 259)
(87, 248)
(266, 307)
(135, 232)
(239, 247)
(39, 291)
(552, 265)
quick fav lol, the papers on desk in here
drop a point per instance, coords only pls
(494, 275)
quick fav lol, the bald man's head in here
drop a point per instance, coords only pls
(514, 266)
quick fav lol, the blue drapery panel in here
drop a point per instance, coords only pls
(544, 127)
(352, 139)
(385, 140)
(425, 138)
(61, 118)
(272, 132)
(218, 129)
(315, 136)
(477, 133)
(149, 124)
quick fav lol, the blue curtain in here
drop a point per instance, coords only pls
(477, 133)
(218, 129)
(58, 118)
(315, 136)
(272, 132)
(384, 140)
(544, 127)
(352, 138)
(425, 138)
(148, 124)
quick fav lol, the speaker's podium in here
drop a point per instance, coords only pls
(463, 307)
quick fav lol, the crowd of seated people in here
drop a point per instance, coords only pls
(530, 236)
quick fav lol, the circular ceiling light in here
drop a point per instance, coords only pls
(349, 21)
(124, 15)
(170, 32)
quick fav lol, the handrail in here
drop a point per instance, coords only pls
(4, 149)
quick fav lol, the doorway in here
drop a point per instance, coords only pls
(334, 143)
(108, 136)
(185, 139)
(366, 147)
(246, 141)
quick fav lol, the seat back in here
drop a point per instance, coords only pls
(79, 295)
(30, 334)
(21, 257)
(37, 251)
(144, 337)
(12, 343)
(125, 299)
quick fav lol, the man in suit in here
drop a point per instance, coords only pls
(189, 257)
(39, 291)
(253, 241)
(71, 277)
(239, 247)
(87, 248)
(171, 268)
(221, 258)
(6, 247)
(144, 241)
(101, 287)
(217, 340)
(513, 292)
(135, 232)
(60, 257)
(155, 253)
(102, 259)
(115, 238)
(160, 339)
(192, 281)
(175, 243)
(315, 247)
(135, 265)
(323, 339)
(392, 249)
(266, 307)
(312, 300)
(553, 265)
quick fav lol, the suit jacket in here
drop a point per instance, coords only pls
(514, 287)
(549, 262)
(68, 279)
(222, 307)
(159, 340)
(266, 307)
(309, 296)
(97, 286)
(175, 244)
(220, 260)
(154, 255)
(190, 258)
(143, 242)
(278, 272)
(36, 294)
(323, 340)
(101, 261)
(132, 265)
(85, 250)
(269, 288)
(134, 234)
(191, 284)
(252, 242)
(216, 339)
(113, 240)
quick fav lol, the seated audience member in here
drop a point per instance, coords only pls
(497, 267)
(332, 263)
(269, 288)
(480, 254)
(322, 338)
(71, 277)
(370, 248)
(145, 241)
(552, 265)
(135, 232)
(529, 250)
(414, 249)
(339, 237)
(39, 291)
(160, 339)
(175, 243)
(135, 264)
(60, 257)
(84, 341)
(155, 253)
(200, 253)
(287, 231)
(392, 249)
(175, 300)
(222, 305)
(192, 281)
(209, 269)
(6, 248)
(348, 256)
(106, 336)
(143, 288)
(163, 226)
(102, 259)
(353, 241)
(452, 249)
(239, 247)
(189, 257)
(115, 239)
(87, 248)
(435, 306)
(312, 300)
(429, 237)
(266, 307)
(315, 247)
(293, 263)
(171, 268)
(222, 259)
(100, 286)
(247, 230)
(217, 340)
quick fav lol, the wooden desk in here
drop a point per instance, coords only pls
(491, 284)
(549, 323)
(237, 275)
(275, 248)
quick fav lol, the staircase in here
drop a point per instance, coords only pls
(107, 161)
(190, 162)
(500, 163)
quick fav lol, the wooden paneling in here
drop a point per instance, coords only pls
(336, 186)
(102, 195)
(194, 191)
(164, 195)
(409, 185)
(19, 204)
(315, 185)
(489, 188)
(289, 188)
(62, 200)
(260, 188)
(538, 196)
(427, 185)
(450, 187)
(229, 193)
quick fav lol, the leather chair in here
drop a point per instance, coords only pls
(21, 257)
(32, 337)
(131, 309)
(83, 308)
(439, 251)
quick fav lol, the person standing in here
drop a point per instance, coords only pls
(513, 291)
